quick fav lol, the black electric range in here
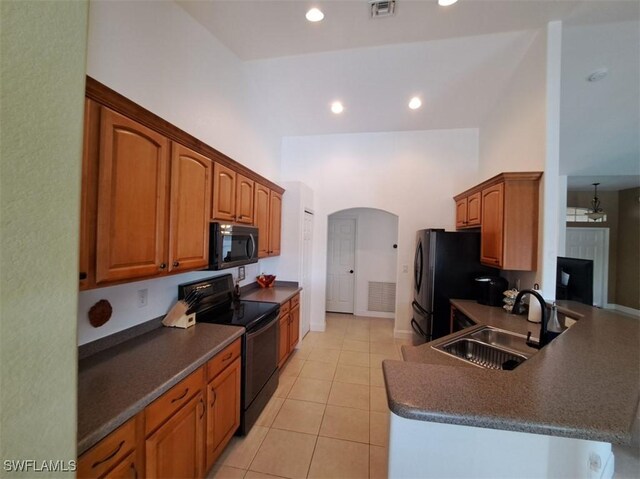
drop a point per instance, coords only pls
(215, 303)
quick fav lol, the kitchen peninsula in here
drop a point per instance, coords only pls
(571, 400)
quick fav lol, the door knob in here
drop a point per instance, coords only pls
(351, 271)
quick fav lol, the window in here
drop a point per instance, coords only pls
(579, 215)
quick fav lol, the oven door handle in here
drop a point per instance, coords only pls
(266, 324)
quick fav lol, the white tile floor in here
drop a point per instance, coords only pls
(329, 417)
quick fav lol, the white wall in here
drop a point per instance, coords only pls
(375, 257)
(155, 54)
(413, 175)
(512, 136)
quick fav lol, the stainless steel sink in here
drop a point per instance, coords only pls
(489, 348)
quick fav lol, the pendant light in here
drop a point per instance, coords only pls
(596, 213)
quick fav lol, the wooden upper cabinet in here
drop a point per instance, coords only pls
(474, 212)
(492, 225)
(132, 200)
(189, 210)
(461, 213)
(88, 201)
(244, 199)
(275, 223)
(224, 193)
(468, 213)
(261, 218)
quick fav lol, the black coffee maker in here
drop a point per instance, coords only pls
(490, 289)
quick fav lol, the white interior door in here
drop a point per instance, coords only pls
(341, 265)
(593, 244)
(305, 322)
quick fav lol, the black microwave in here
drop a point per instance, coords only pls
(232, 245)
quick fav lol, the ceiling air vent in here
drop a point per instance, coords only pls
(382, 8)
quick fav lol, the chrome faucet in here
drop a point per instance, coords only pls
(544, 336)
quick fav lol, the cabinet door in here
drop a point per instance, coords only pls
(474, 213)
(461, 213)
(132, 200)
(224, 193)
(283, 349)
(89, 195)
(491, 245)
(261, 219)
(223, 410)
(244, 199)
(275, 221)
(176, 449)
(190, 209)
(294, 327)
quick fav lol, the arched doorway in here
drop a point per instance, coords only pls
(362, 262)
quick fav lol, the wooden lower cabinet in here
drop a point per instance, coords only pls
(114, 456)
(223, 410)
(176, 449)
(289, 328)
(181, 433)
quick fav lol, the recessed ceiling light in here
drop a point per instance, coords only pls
(314, 15)
(337, 107)
(446, 3)
(598, 75)
(415, 103)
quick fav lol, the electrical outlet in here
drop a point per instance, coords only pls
(142, 297)
(405, 268)
(240, 273)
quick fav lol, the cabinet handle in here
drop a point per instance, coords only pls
(202, 404)
(134, 470)
(183, 395)
(227, 356)
(110, 456)
(163, 265)
(215, 396)
(176, 264)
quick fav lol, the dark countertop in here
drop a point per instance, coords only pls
(583, 385)
(116, 384)
(277, 294)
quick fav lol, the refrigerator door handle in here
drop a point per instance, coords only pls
(417, 266)
(418, 330)
(420, 310)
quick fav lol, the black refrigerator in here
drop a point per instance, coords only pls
(445, 266)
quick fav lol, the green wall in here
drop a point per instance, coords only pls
(42, 54)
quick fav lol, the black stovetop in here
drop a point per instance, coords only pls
(238, 313)
(216, 304)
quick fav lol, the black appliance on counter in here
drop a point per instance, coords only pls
(445, 266)
(574, 279)
(215, 304)
(490, 290)
(232, 245)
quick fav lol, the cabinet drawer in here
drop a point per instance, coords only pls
(221, 360)
(295, 301)
(102, 457)
(284, 308)
(163, 407)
